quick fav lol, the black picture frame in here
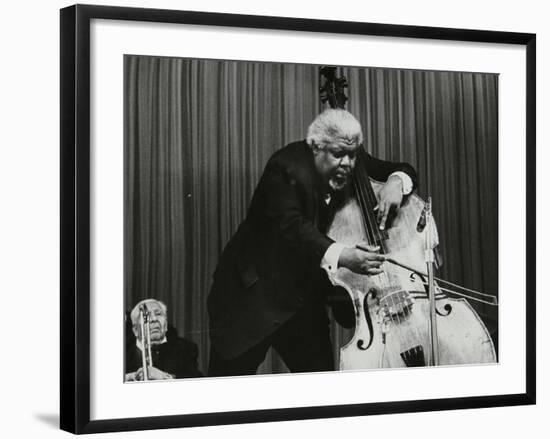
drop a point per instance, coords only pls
(75, 217)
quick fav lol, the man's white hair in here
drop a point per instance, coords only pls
(134, 315)
(331, 125)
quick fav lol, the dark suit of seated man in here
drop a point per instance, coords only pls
(268, 288)
(172, 356)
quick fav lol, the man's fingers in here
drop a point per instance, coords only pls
(372, 258)
(374, 271)
(375, 258)
(371, 248)
(380, 212)
(384, 217)
(372, 265)
(370, 252)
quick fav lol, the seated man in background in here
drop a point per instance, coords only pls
(171, 356)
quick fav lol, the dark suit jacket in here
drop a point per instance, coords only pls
(178, 356)
(271, 266)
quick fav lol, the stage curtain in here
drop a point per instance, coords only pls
(198, 133)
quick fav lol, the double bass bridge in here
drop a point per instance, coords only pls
(395, 305)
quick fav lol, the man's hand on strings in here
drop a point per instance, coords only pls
(391, 196)
(360, 261)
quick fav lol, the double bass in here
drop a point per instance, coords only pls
(403, 318)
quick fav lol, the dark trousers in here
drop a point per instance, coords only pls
(303, 342)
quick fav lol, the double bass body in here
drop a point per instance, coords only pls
(392, 309)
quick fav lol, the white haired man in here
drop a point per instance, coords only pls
(172, 356)
(269, 286)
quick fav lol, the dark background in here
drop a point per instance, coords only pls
(199, 132)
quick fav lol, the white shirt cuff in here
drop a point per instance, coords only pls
(406, 180)
(331, 256)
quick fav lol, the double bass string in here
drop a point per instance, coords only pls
(366, 205)
(366, 212)
(362, 204)
(367, 201)
(364, 217)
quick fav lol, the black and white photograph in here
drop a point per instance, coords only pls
(274, 219)
(271, 218)
(301, 218)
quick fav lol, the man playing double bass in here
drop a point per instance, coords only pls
(268, 288)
